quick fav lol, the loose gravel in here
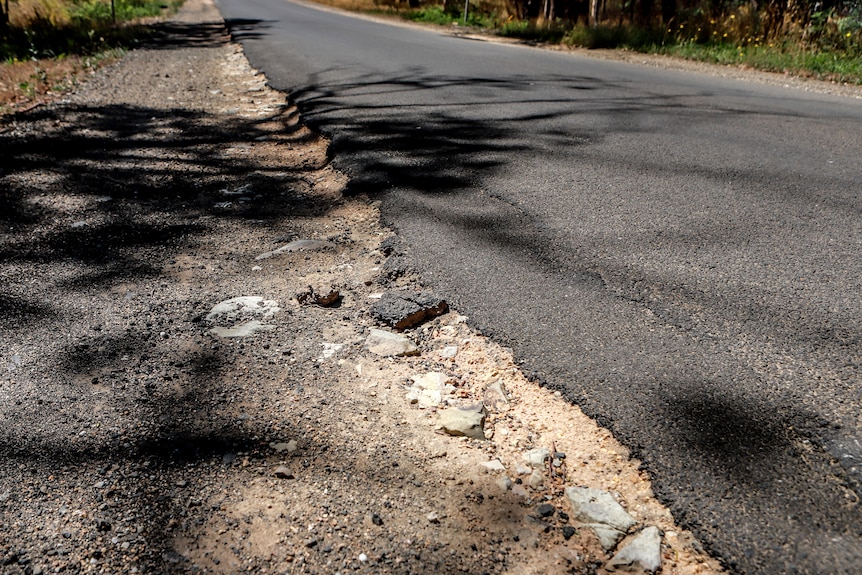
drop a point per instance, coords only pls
(142, 433)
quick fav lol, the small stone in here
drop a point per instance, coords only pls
(537, 457)
(545, 510)
(504, 483)
(283, 472)
(325, 298)
(608, 536)
(428, 389)
(520, 491)
(388, 344)
(403, 309)
(363, 558)
(597, 506)
(376, 519)
(311, 543)
(241, 307)
(496, 398)
(433, 517)
(182, 483)
(329, 350)
(568, 531)
(468, 421)
(644, 551)
(493, 465)
(536, 480)
(449, 352)
(523, 469)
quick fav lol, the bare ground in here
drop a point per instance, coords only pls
(136, 441)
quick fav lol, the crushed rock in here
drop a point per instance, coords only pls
(131, 452)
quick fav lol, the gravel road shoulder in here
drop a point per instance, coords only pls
(144, 433)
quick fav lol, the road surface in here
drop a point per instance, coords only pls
(679, 253)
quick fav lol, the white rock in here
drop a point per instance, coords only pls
(449, 351)
(388, 344)
(496, 397)
(597, 506)
(428, 389)
(643, 551)
(537, 457)
(330, 349)
(536, 479)
(608, 536)
(243, 307)
(469, 421)
(493, 465)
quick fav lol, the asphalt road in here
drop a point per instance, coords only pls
(679, 253)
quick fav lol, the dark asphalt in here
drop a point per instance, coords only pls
(681, 254)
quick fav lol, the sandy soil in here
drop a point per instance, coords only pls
(137, 441)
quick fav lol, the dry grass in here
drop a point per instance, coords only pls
(24, 13)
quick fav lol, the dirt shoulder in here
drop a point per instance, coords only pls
(144, 433)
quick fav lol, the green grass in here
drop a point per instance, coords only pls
(88, 31)
(436, 15)
(838, 66)
(126, 10)
(826, 61)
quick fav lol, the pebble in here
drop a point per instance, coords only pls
(467, 421)
(433, 517)
(520, 491)
(363, 558)
(243, 306)
(493, 465)
(388, 344)
(283, 472)
(504, 483)
(608, 536)
(597, 506)
(537, 457)
(644, 551)
(449, 352)
(428, 389)
(281, 446)
(496, 398)
(536, 480)
(545, 510)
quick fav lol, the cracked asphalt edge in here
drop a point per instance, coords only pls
(309, 453)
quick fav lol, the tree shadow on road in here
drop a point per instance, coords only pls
(433, 155)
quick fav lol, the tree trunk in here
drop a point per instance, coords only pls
(4, 15)
(594, 13)
(668, 10)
